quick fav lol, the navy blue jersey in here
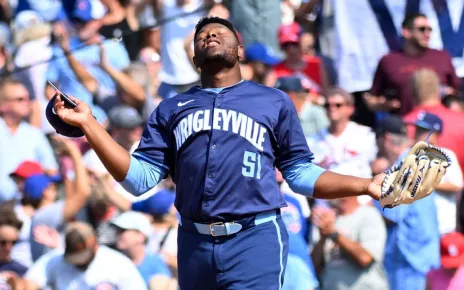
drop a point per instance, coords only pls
(221, 149)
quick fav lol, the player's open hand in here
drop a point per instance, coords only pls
(77, 116)
(374, 188)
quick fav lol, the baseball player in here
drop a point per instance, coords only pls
(221, 143)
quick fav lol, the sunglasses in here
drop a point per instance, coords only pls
(3, 243)
(334, 105)
(424, 29)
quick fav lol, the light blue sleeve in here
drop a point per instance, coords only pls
(301, 177)
(142, 176)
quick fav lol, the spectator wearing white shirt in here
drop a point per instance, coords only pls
(19, 141)
(344, 145)
(83, 265)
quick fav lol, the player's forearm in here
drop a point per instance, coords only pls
(355, 250)
(331, 185)
(115, 158)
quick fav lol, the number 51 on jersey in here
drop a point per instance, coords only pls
(251, 165)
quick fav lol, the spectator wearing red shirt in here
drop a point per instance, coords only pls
(426, 92)
(309, 68)
(391, 90)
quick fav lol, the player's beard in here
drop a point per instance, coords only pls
(222, 59)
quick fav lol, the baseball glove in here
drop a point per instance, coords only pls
(415, 177)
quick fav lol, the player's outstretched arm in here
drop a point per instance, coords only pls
(115, 158)
(311, 180)
(332, 185)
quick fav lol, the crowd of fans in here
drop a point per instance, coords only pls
(65, 223)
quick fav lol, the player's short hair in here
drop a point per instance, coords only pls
(339, 91)
(213, 19)
(409, 19)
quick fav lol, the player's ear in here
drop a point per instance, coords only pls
(241, 53)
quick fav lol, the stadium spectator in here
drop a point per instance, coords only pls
(86, 17)
(121, 22)
(257, 21)
(392, 141)
(163, 215)
(454, 103)
(19, 141)
(427, 96)
(391, 89)
(407, 258)
(313, 118)
(344, 145)
(84, 264)
(349, 253)
(298, 276)
(308, 48)
(134, 230)
(41, 193)
(176, 74)
(309, 68)
(450, 276)
(10, 227)
(448, 191)
(32, 38)
(261, 59)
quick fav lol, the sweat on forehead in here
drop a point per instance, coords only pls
(214, 20)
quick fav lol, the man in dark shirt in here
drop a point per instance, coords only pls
(391, 90)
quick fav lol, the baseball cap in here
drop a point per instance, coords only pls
(84, 10)
(429, 121)
(158, 204)
(259, 52)
(131, 220)
(124, 116)
(29, 25)
(289, 84)
(27, 169)
(35, 185)
(452, 250)
(391, 124)
(79, 239)
(59, 125)
(289, 33)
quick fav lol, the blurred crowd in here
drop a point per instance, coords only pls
(65, 223)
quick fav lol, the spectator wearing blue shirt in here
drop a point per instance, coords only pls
(134, 229)
(19, 140)
(86, 16)
(413, 237)
(298, 275)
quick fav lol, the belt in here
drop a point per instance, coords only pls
(219, 229)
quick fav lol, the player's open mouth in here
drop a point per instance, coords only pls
(211, 43)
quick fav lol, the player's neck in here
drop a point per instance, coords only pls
(337, 128)
(225, 77)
